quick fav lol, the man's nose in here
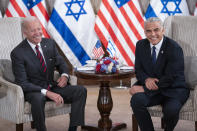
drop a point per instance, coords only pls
(153, 33)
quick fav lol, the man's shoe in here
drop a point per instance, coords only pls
(72, 128)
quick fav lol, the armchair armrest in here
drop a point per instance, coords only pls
(194, 97)
(12, 104)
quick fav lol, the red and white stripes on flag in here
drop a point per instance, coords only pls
(195, 11)
(121, 21)
(98, 51)
(24, 8)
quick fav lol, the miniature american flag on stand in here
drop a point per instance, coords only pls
(98, 50)
(24, 8)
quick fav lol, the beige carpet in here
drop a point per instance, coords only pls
(121, 113)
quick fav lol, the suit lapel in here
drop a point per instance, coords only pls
(161, 54)
(147, 55)
(44, 50)
(31, 54)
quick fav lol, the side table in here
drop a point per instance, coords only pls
(105, 102)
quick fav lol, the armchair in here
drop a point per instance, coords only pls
(13, 107)
(182, 29)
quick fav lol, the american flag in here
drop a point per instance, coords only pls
(122, 22)
(98, 50)
(24, 8)
(195, 11)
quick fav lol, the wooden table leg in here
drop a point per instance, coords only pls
(105, 105)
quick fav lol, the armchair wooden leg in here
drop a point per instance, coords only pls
(195, 125)
(162, 123)
(19, 127)
(32, 125)
(134, 123)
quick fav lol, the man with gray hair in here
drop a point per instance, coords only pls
(159, 68)
(34, 61)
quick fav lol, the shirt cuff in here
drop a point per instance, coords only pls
(64, 74)
(44, 91)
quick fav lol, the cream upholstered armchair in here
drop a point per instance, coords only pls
(183, 30)
(12, 104)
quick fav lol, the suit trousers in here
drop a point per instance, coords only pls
(74, 95)
(170, 108)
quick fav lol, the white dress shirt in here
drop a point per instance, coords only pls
(157, 47)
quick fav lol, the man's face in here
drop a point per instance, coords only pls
(33, 31)
(154, 32)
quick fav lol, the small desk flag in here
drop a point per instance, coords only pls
(98, 50)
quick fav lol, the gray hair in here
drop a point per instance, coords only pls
(26, 20)
(153, 19)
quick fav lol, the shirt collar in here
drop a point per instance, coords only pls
(157, 46)
(33, 45)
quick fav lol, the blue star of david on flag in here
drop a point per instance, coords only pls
(165, 8)
(120, 3)
(174, 3)
(75, 8)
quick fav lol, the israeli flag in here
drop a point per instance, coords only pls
(165, 8)
(111, 49)
(71, 25)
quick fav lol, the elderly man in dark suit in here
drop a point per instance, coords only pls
(34, 61)
(159, 67)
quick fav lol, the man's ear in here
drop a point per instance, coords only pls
(163, 30)
(24, 35)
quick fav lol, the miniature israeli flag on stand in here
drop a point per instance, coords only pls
(111, 49)
(165, 8)
(71, 25)
(114, 53)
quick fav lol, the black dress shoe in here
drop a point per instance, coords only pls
(72, 128)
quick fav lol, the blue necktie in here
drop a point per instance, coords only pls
(154, 55)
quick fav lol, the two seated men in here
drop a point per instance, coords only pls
(159, 67)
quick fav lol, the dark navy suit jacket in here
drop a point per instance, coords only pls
(27, 68)
(169, 68)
